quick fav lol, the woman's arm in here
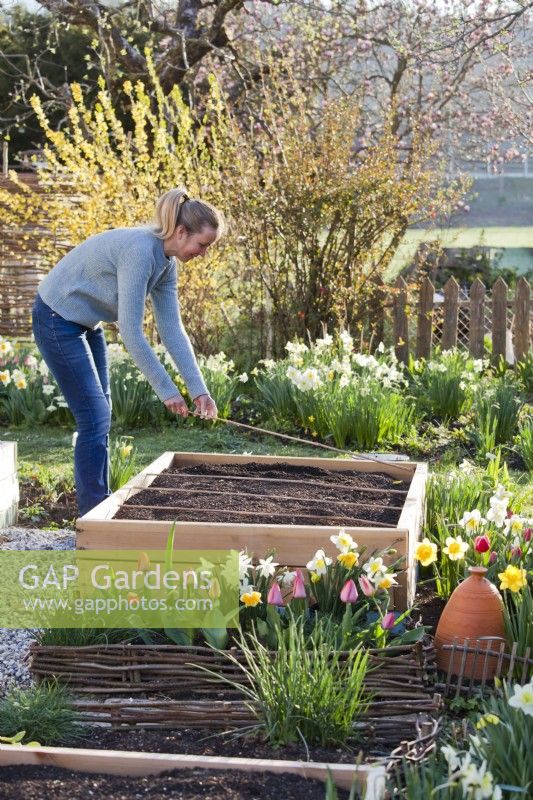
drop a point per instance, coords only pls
(173, 335)
(133, 271)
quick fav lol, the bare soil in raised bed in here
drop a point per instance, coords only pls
(36, 783)
(269, 494)
(200, 742)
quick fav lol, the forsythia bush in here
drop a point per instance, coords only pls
(98, 176)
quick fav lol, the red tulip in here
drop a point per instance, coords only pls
(274, 597)
(527, 534)
(349, 592)
(388, 621)
(298, 587)
(368, 589)
(516, 552)
(482, 544)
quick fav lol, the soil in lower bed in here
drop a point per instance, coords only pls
(36, 783)
(275, 494)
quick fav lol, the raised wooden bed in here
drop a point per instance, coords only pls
(369, 778)
(9, 488)
(294, 545)
(160, 686)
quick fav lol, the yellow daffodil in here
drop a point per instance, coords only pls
(513, 578)
(455, 548)
(251, 598)
(315, 577)
(348, 559)
(125, 450)
(387, 581)
(426, 552)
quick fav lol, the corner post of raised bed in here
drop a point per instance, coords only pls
(9, 487)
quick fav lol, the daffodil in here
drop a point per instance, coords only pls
(348, 559)
(455, 548)
(471, 520)
(386, 581)
(426, 552)
(5, 377)
(373, 567)
(245, 565)
(343, 541)
(20, 382)
(513, 578)
(125, 450)
(267, 567)
(319, 563)
(251, 598)
(523, 698)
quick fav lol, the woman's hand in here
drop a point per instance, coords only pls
(177, 405)
(205, 407)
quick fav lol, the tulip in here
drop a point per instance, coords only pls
(132, 598)
(298, 587)
(493, 557)
(349, 592)
(527, 534)
(482, 544)
(215, 590)
(367, 588)
(388, 621)
(516, 552)
(274, 597)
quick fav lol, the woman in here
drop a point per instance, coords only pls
(109, 277)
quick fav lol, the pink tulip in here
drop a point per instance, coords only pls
(482, 544)
(349, 592)
(388, 621)
(493, 557)
(274, 597)
(527, 534)
(516, 552)
(367, 588)
(298, 587)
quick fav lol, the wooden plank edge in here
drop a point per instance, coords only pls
(403, 470)
(371, 778)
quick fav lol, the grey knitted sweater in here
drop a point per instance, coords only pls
(108, 277)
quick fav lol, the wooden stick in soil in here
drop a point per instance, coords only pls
(189, 491)
(310, 483)
(323, 518)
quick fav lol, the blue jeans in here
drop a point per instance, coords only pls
(77, 358)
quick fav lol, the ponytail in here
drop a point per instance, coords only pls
(175, 207)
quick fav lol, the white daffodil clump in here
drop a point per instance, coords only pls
(497, 512)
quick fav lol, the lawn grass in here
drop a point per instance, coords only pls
(50, 448)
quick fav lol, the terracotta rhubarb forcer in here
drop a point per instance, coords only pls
(474, 610)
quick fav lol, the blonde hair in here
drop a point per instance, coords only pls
(175, 207)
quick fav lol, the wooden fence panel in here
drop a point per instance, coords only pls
(477, 309)
(522, 309)
(401, 329)
(499, 319)
(425, 319)
(451, 314)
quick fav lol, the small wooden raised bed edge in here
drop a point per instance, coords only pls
(369, 778)
(294, 544)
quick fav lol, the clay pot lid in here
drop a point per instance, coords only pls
(479, 572)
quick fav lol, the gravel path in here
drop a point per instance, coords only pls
(14, 643)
